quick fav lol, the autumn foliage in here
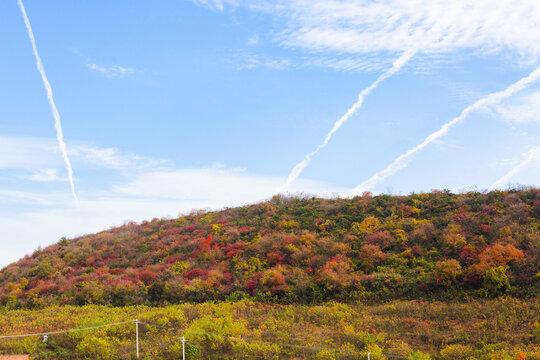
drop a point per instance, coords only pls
(434, 245)
(485, 329)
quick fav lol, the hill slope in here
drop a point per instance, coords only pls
(433, 245)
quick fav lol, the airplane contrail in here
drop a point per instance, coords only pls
(56, 114)
(400, 161)
(531, 155)
(396, 66)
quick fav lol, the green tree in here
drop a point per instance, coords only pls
(495, 281)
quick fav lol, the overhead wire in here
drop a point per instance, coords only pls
(65, 331)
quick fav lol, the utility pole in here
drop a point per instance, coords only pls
(137, 335)
(183, 348)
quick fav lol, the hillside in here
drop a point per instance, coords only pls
(434, 245)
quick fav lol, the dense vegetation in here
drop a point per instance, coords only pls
(480, 329)
(431, 246)
(424, 276)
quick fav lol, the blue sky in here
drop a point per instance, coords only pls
(176, 105)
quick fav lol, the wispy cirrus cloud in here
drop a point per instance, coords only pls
(254, 40)
(250, 61)
(394, 26)
(47, 175)
(216, 4)
(113, 71)
(115, 159)
(39, 155)
(18, 152)
(349, 63)
(523, 109)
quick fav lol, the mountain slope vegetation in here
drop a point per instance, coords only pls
(435, 245)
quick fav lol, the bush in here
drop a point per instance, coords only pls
(495, 281)
(98, 347)
(457, 352)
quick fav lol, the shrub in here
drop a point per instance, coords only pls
(457, 352)
(495, 281)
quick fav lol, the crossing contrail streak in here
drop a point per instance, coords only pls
(396, 66)
(530, 156)
(56, 114)
(401, 161)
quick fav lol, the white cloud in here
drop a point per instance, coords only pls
(47, 175)
(395, 26)
(251, 61)
(213, 186)
(353, 35)
(523, 109)
(114, 71)
(254, 40)
(28, 153)
(248, 60)
(215, 4)
(349, 63)
(33, 198)
(112, 158)
(37, 154)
